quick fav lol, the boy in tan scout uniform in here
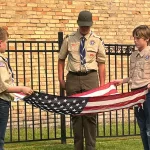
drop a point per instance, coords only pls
(6, 87)
(82, 76)
(139, 78)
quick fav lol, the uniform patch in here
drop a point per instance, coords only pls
(2, 64)
(147, 57)
(103, 43)
(73, 44)
(92, 42)
(92, 55)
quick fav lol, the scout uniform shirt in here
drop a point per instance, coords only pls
(6, 79)
(95, 51)
(140, 68)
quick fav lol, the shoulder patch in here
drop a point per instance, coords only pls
(2, 64)
(147, 57)
(102, 41)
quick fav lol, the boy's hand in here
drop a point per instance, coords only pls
(148, 86)
(26, 90)
(118, 82)
(63, 84)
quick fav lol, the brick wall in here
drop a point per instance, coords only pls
(114, 20)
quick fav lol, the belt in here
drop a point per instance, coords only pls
(139, 88)
(79, 73)
(4, 101)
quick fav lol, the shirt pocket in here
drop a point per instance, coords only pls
(91, 53)
(73, 51)
(73, 47)
(132, 68)
(145, 70)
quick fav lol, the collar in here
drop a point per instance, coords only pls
(144, 51)
(1, 55)
(86, 36)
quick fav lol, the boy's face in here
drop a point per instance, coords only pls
(84, 30)
(3, 46)
(140, 43)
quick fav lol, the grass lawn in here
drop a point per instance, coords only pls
(120, 143)
(113, 143)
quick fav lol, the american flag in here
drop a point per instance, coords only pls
(102, 99)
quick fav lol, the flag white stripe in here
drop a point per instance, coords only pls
(119, 100)
(102, 103)
(100, 92)
(17, 95)
(113, 108)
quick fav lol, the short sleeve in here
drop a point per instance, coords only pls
(64, 49)
(101, 54)
(4, 77)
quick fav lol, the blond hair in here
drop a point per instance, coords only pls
(3, 33)
(142, 31)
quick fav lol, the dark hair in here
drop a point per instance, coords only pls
(142, 31)
(3, 33)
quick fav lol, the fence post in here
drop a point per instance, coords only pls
(63, 119)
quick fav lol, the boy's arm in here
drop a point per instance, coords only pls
(61, 61)
(101, 72)
(6, 83)
(61, 66)
(126, 80)
(120, 81)
(19, 89)
(101, 58)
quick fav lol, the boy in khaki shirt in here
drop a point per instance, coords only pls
(140, 77)
(86, 62)
(6, 87)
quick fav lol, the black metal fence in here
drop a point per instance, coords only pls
(35, 65)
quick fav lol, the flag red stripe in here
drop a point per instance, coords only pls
(101, 99)
(111, 92)
(114, 105)
(116, 96)
(113, 108)
(106, 89)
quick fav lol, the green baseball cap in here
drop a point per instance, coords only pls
(85, 18)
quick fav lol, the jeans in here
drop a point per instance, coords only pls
(4, 114)
(143, 119)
